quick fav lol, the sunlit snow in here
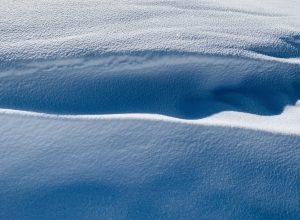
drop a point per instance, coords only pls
(138, 109)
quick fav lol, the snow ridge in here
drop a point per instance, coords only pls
(87, 89)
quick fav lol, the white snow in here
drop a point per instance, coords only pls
(51, 29)
(138, 109)
(286, 123)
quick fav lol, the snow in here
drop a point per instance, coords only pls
(58, 168)
(138, 109)
(54, 29)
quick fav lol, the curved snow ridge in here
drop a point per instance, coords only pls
(185, 85)
(278, 47)
(286, 123)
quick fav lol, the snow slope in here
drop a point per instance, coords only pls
(138, 109)
(55, 168)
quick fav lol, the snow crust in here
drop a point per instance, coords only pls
(138, 109)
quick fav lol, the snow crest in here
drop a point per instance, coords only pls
(138, 109)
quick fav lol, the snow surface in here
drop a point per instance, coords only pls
(137, 169)
(138, 109)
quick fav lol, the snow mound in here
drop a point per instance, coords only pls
(59, 168)
(74, 74)
(187, 60)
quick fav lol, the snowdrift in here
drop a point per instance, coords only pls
(134, 168)
(181, 85)
(150, 109)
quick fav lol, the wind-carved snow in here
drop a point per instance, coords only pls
(149, 109)
(186, 60)
(188, 86)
